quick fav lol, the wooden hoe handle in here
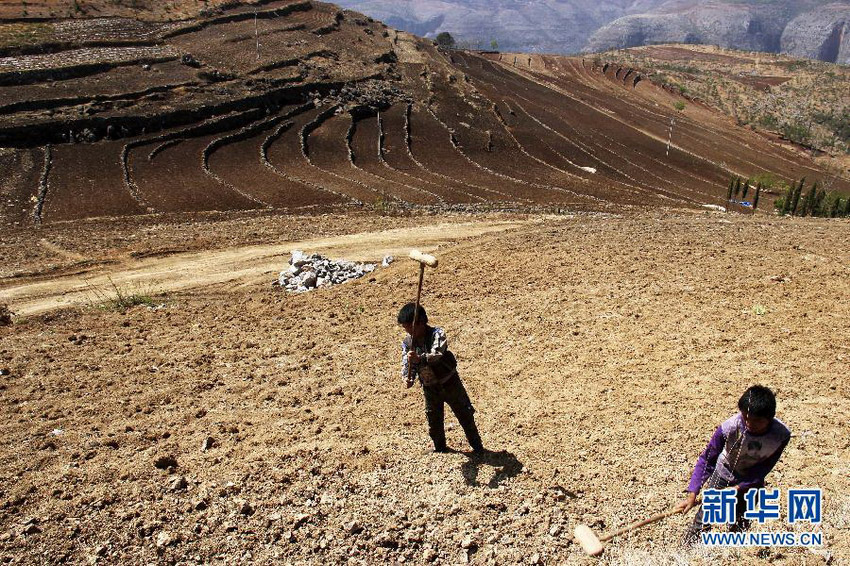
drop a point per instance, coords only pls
(415, 317)
(639, 524)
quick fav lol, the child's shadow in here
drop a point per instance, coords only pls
(505, 463)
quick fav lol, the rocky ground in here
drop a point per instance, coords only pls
(247, 425)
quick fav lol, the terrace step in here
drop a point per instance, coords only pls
(369, 154)
(238, 160)
(87, 182)
(329, 150)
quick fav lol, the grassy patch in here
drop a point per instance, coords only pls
(117, 298)
(17, 35)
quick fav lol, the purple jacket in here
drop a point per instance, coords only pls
(740, 457)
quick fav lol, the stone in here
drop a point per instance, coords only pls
(246, 509)
(308, 272)
(164, 539)
(178, 483)
(208, 443)
(309, 279)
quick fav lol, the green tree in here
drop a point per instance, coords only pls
(737, 188)
(786, 202)
(445, 40)
(756, 198)
(745, 190)
(846, 207)
(817, 207)
(731, 190)
(809, 201)
(797, 193)
(494, 45)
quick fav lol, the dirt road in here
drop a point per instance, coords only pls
(237, 266)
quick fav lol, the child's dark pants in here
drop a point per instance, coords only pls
(453, 393)
(692, 536)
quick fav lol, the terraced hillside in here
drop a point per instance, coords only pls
(297, 106)
(803, 101)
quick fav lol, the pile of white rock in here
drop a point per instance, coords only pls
(308, 272)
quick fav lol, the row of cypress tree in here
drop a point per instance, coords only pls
(816, 202)
(737, 188)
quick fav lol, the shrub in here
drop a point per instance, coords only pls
(445, 40)
(384, 206)
(768, 121)
(833, 205)
(5, 315)
(766, 180)
(797, 133)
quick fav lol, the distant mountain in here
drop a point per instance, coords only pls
(559, 26)
(806, 28)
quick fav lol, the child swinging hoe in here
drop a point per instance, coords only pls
(425, 356)
(740, 454)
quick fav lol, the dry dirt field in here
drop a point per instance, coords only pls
(599, 350)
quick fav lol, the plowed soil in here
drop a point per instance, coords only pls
(600, 351)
